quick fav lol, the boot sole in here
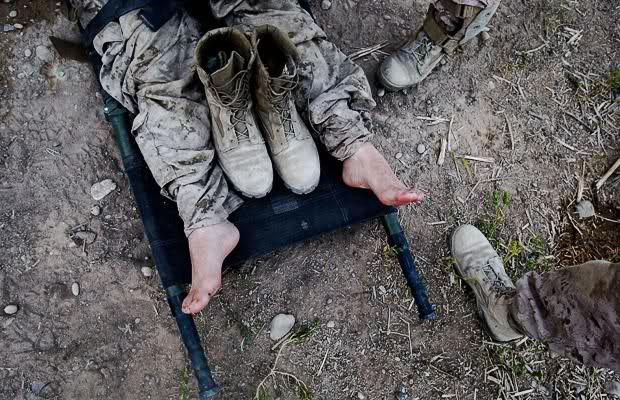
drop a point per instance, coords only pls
(255, 196)
(300, 192)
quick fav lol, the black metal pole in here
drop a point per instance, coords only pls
(397, 238)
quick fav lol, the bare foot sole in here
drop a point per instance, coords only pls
(368, 169)
(208, 248)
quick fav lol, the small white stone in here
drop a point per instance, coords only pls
(27, 53)
(421, 148)
(101, 189)
(281, 324)
(585, 209)
(13, 14)
(95, 210)
(44, 54)
(147, 271)
(11, 309)
(381, 92)
(326, 4)
(18, 26)
(361, 396)
(331, 324)
(75, 289)
(387, 17)
(399, 156)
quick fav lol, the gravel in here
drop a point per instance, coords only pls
(101, 189)
(44, 54)
(147, 271)
(75, 289)
(11, 309)
(281, 324)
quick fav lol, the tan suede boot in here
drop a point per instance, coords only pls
(448, 24)
(481, 267)
(224, 61)
(293, 151)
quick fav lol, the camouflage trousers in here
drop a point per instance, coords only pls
(152, 74)
(575, 311)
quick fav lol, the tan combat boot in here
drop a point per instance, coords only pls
(481, 267)
(448, 24)
(224, 61)
(293, 151)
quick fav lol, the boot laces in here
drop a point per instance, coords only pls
(281, 101)
(418, 49)
(236, 100)
(497, 283)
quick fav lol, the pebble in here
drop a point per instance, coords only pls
(399, 156)
(613, 388)
(326, 4)
(585, 209)
(101, 189)
(18, 26)
(147, 271)
(381, 92)
(95, 210)
(13, 14)
(421, 148)
(44, 54)
(75, 289)
(485, 36)
(387, 17)
(27, 53)
(361, 396)
(11, 309)
(331, 324)
(281, 324)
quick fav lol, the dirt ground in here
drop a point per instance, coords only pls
(539, 98)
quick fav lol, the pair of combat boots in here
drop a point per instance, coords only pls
(249, 83)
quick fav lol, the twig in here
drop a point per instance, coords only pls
(442, 153)
(563, 143)
(609, 173)
(542, 46)
(480, 159)
(450, 133)
(581, 183)
(512, 137)
(323, 362)
(366, 51)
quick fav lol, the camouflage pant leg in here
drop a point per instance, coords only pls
(151, 73)
(576, 311)
(334, 91)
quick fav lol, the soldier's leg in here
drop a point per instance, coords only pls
(576, 311)
(448, 24)
(152, 74)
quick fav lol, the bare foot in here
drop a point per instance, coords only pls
(208, 248)
(368, 169)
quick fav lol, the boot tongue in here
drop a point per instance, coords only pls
(286, 79)
(223, 76)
